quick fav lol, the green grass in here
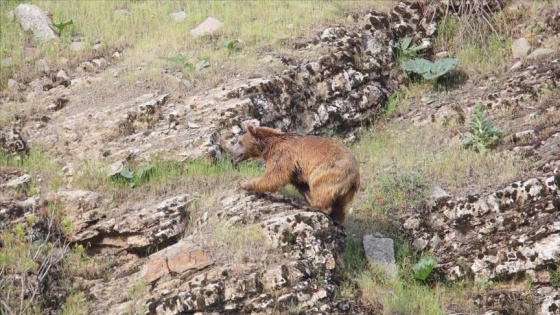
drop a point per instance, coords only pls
(243, 243)
(76, 304)
(402, 294)
(46, 173)
(401, 164)
(148, 33)
(94, 175)
(478, 52)
(430, 153)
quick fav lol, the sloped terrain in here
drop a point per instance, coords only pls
(195, 243)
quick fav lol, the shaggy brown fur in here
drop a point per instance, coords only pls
(324, 171)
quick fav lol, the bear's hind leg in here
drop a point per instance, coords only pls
(338, 213)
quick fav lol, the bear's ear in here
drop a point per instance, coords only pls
(246, 125)
(252, 129)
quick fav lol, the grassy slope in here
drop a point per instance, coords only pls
(413, 159)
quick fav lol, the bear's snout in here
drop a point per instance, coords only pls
(237, 155)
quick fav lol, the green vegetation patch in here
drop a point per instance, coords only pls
(147, 31)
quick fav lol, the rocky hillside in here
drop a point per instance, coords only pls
(101, 226)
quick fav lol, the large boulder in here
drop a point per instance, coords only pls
(32, 18)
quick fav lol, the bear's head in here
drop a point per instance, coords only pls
(248, 146)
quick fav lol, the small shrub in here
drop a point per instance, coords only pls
(430, 70)
(134, 179)
(423, 268)
(62, 25)
(31, 253)
(402, 190)
(404, 49)
(179, 59)
(483, 133)
(554, 278)
(231, 45)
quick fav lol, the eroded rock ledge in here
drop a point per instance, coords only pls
(337, 91)
(511, 232)
(298, 266)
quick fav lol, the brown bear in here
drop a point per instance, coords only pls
(324, 171)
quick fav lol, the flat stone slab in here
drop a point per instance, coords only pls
(380, 253)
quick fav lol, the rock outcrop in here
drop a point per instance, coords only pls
(291, 259)
(511, 233)
(12, 142)
(338, 92)
(264, 255)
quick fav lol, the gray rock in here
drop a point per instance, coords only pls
(115, 168)
(30, 203)
(380, 253)
(439, 195)
(21, 182)
(144, 225)
(100, 63)
(78, 46)
(79, 200)
(540, 52)
(40, 84)
(42, 65)
(61, 74)
(520, 47)
(11, 142)
(524, 135)
(201, 64)
(517, 65)
(551, 302)
(456, 232)
(178, 16)
(86, 66)
(31, 17)
(209, 26)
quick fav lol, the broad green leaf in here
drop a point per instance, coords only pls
(424, 267)
(126, 174)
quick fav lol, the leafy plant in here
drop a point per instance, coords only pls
(483, 133)
(231, 45)
(405, 49)
(423, 268)
(134, 179)
(145, 173)
(429, 70)
(62, 25)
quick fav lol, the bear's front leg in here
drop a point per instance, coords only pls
(275, 177)
(261, 185)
